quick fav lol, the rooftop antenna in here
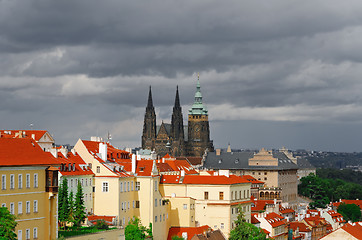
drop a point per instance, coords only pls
(109, 137)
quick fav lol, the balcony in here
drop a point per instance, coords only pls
(51, 180)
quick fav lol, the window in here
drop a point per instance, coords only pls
(131, 186)
(133, 204)
(221, 195)
(192, 218)
(20, 181)
(155, 185)
(27, 207)
(12, 181)
(98, 169)
(232, 195)
(160, 218)
(35, 206)
(163, 217)
(122, 206)
(185, 206)
(244, 193)
(265, 178)
(137, 204)
(247, 194)
(121, 187)
(20, 235)
(86, 181)
(27, 180)
(160, 202)
(90, 197)
(35, 232)
(82, 182)
(232, 211)
(71, 182)
(155, 218)
(35, 180)
(128, 205)
(127, 186)
(264, 173)
(27, 234)
(222, 225)
(12, 208)
(20, 207)
(156, 202)
(3, 205)
(105, 187)
(90, 182)
(239, 194)
(138, 186)
(206, 195)
(3, 182)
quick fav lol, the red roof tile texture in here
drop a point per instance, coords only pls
(302, 227)
(355, 229)
(191, 231)
(197, 179)
(24, 151)
(38, 134)
(275, 220)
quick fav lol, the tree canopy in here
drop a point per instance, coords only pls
(244, 230)
(350, 212)
(135, 231)
(79, 208)
(7, 224)
(322, 190)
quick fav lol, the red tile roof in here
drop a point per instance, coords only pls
(285, 210)
(252, 180)
(302, 227)
(275, 220)
(113, 154)
(73, 159)
(144, 167)
(259, 205)
(337, 217)
(25, 133)
(23, 151)
(253, 219)
(191, 231)
(315, 221)
(192, 160)
(108, 219)
(355, 229)
(201, 179)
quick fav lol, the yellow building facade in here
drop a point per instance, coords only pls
(28, 188)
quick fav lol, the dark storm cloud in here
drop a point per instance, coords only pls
(81, 68)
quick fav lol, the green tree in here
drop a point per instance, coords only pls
(135, 231)
(177, 238)
(244, 230)
(71, 207)
(63, 203)
(7, 224)
(79, 208)
(350, 212)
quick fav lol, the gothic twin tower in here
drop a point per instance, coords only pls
(171, 138)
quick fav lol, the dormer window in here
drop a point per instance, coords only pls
(73, 167)
(220, 160)
(237, 160)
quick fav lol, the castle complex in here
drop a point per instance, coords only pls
(174, 138)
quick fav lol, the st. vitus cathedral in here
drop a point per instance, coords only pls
(175, 139)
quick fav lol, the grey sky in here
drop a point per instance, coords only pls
(273, 73)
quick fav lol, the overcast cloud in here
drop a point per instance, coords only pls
(273, 73)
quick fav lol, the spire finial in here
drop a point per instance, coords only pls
(150, 102)
(177, 99)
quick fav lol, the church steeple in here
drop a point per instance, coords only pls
(149, 125)
(177, 126)
(198, 108)
(150, 102)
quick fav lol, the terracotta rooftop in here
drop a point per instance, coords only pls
(191, 231)
(23, 151)
(201, 179)
(355, 229)
(76, 160)
(275, 220)
(302, 227)
(38, 134)
(357, 202)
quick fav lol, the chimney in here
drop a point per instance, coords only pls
(64, 151)
(103, 151)
(229, 148)
(218, 152)
(133, 163)
(33, 136)
(73, 151)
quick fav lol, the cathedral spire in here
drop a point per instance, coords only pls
(150, 102)
(177, 99)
